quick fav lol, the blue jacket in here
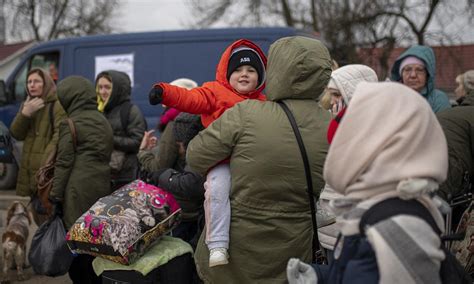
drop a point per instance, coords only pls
(357, 264)
(436, 98)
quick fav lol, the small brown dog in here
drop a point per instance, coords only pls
(15, 237)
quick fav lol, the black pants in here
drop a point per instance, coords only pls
(81, 271)
(179, 270)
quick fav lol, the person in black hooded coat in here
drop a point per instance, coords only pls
(113, 90)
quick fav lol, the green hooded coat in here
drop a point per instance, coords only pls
(436, 98)
(81, 176)
(458, 127)
(467, 100)
(271, 216)
(38, 135)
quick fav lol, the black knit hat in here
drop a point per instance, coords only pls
(246, 56)
(186, 126)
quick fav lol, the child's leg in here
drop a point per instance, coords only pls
(217, 207)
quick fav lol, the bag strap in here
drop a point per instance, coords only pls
(124, 115)
(51, 116)
(72, 127)
(396, 206)
(309, 179)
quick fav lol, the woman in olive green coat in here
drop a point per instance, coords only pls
(271, 216)
(81, 176)
(36, 124)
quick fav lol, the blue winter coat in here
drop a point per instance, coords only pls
(357, 264)
(436, 98)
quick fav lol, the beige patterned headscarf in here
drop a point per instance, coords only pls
(388, 138)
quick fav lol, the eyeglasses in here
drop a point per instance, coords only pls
(418, 71)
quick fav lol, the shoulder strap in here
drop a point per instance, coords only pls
(124, 114)
(307, 171)
(51, 116)
(396, 206)
(72, 127)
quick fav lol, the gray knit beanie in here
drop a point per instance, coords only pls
(186, 126)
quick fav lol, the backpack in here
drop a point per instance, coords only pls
(117, 157)
(451, 270)
(125, 113)
(45, 175)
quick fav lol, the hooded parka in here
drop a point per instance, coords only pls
(467, 100)
(271, 216)
(39, 136)
(458, 127)
(436, 98)
(126, 140)
(82, 176)
(213, 98)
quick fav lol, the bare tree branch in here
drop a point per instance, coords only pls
(45, 20)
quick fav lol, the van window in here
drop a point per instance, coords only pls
(47, 61)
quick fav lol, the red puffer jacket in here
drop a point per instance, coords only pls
(213, 98)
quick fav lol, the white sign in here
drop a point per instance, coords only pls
(118, 62)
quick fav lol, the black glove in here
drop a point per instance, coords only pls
(154, 177)
(156, 95)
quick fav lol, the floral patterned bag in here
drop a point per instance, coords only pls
(121, 226)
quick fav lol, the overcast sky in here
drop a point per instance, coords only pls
(156, 15)
(152, 15)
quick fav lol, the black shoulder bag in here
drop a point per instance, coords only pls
(317, 254)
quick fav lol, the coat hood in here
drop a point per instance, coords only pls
(221, 72)
(49, 88)
(424, 53)
(298, 68)
(121, 88)
(76, 93)
(346, 79)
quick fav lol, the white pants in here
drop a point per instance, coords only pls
(217, 206)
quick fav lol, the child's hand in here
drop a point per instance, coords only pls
(149, 141)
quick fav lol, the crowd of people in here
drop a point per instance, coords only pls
(228, 152)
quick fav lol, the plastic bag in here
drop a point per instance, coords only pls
(49, 254)
(116, 160)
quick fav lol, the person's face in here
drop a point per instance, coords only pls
(244, 79)
(336, 96)
(104, 87)
(35, 85)
(414, 76)
(459, 92)
(53, 72)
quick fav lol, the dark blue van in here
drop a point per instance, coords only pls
(147, 57)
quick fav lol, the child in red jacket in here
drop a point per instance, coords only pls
(240, 75)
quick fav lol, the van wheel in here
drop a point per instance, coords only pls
(8, 173)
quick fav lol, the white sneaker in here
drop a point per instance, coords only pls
(218, 256)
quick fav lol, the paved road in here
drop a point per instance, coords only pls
(6, 197)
